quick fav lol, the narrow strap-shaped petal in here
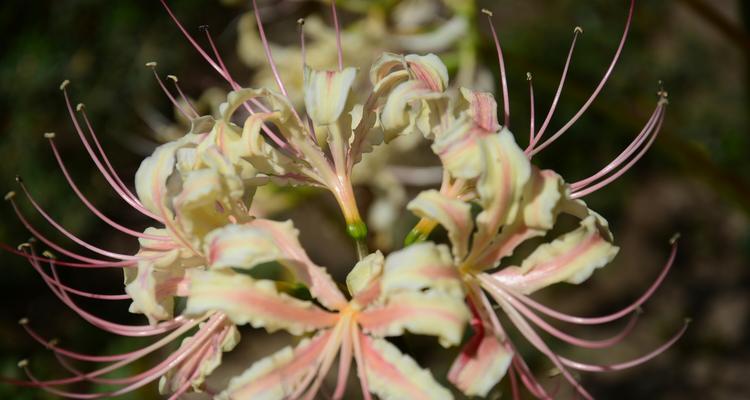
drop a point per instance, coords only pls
(477, 371)
(571, 258)
(257, 302)
(260, 241)
(326, 93)
(279, 375)
(454, 215)
(431, 312)
(392, 375)
(421, 266)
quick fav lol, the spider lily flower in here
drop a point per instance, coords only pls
(416, 290)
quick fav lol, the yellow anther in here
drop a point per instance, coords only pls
(49, 135)
(10, 195)
(172, 77)
(64, 84)
(23, 363)
(578, 30)
(486, 11)
(23, 321)
(151, 64)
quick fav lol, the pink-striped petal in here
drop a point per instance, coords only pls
(392, 375)
(257, 302)
(454, 215)
(571, 258)
(421, 266)
(478, 371)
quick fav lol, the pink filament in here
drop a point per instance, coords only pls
(91, 207)
(598, 89)
(339, 48)
(503, 78)
(185, 99)
(169, 95)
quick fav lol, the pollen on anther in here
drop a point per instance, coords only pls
(578, 30)
(487, 12)
(172, 77)
(528, 76)
(19, 179)
(10, 195)
(23, 321)
(80, 106)
(301, 21)
(49, 135)
(674, 238)
(151, 64)
(23, 363)
(64, 84)
(49, 254)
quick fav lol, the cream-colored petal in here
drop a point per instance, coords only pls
(392, 375)
(154, 286)
(326, 93)
(482, 108)
(571, 258)
(430, 70)
(480, 367)
(421, 266)
(279, 375)
(453, 214)
(430, 312)
(257, 302)
(366, 272)
(260, 241)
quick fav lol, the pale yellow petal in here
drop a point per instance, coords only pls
(454, 215)
(421, 266)
(326, 93)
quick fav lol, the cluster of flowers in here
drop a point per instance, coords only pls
(205, 246)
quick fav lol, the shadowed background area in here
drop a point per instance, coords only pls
(695, 180)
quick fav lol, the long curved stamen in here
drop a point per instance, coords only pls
(607, 318)
(624, 169)
(503, 77)
(61, 249)
(184, 98)
(598, 89)
(339, 48)
(61, 286)
(30, 257)
(648, 128)
(631, 363)
(267, 50)
(152, 65)
(589, 344)
(67, 233)
(124, 193)
(303, 50)
(51, 136)
(576, 33)
(533, 338)
(532, 111)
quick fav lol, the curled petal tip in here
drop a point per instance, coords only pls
(172, 77)
(151, 64)
(10, 195)
(674, 238)
(23, 321)
(23, 363)
(487, 12)
(578, 30)
(49, 135)
(64, 84)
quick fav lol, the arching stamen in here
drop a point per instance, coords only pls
(532, 111)
(501, 61)
(126, 195)
(576, 33)
(267, 49)
(30, 258)
(184, 98)
(152, 65)
(67, 233)
(631, 363)
(598, 89)
(611, 317)
(51, 136)
(339, 48)
(588, 189)
(647, 130)
(60, 249)
(81, 293)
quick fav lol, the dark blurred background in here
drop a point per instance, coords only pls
(695, 180)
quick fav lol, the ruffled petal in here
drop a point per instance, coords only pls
(421, 266)
(477, 372)
(431, 312)
(482, 108)
(261, 241)
(392, 375)
(257, 302)
(279, 375)
(571, 258)
(454, 215)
